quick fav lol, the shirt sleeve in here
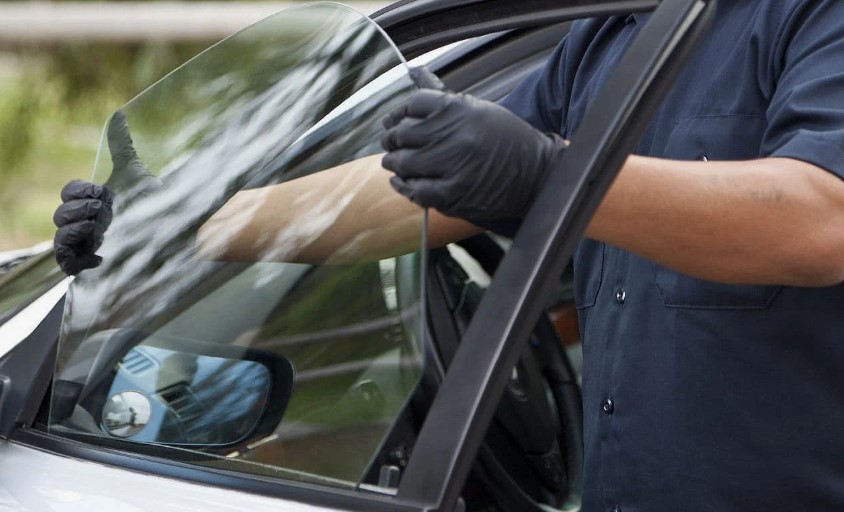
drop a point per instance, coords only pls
(541, 98)
(806, 111)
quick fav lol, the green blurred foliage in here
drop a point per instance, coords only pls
(123, 71)
(53, 104)
(54, 101)
(18, 111)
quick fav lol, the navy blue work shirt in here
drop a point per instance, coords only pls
(701, 396)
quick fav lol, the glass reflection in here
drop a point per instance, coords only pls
(251, 212)
(164, 396)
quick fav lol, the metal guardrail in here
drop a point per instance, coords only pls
(45, 22)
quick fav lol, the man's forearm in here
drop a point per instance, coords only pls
(769, 221)
(346, 214)
(341, 214)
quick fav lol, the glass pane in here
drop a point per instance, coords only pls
(27, 282)
(257, 307)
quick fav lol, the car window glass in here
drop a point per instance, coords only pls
(28, 281)
(230, 324)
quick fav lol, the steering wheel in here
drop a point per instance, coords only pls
(532, 455)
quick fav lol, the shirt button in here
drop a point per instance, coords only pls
(704, 158)
(620, 296)
(608, 406)
(616, 509)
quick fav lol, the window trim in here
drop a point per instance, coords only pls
(418, 26)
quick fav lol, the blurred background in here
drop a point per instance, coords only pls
(66, 66)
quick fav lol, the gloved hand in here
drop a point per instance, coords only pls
(86, 209)
(464, 156)
(82, 219)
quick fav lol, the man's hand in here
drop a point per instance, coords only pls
(86, 209)
(82, 219)
(466, 157)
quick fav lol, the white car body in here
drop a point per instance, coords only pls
(32, 480)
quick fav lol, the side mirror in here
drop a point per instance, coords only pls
(183, 392)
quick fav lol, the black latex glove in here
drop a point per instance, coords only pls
(86, 209)
(464, 156)
(82, 219)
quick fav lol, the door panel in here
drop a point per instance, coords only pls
(35, 481)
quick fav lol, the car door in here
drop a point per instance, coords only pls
(543, 245)
(444, 452)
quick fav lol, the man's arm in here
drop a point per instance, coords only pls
(767, 221)
(344, 214)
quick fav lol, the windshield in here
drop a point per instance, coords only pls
(26, 282)
(240, 311)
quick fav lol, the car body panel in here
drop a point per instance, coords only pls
(32, 480)
(24, 323)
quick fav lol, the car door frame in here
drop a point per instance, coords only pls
(465, 404)
(453, 431)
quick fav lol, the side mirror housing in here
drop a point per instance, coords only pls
(180, 392)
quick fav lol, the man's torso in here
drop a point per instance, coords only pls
(700, 395)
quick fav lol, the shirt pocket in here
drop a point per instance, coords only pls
(717, 137)
(588, 272)
(685, 292)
